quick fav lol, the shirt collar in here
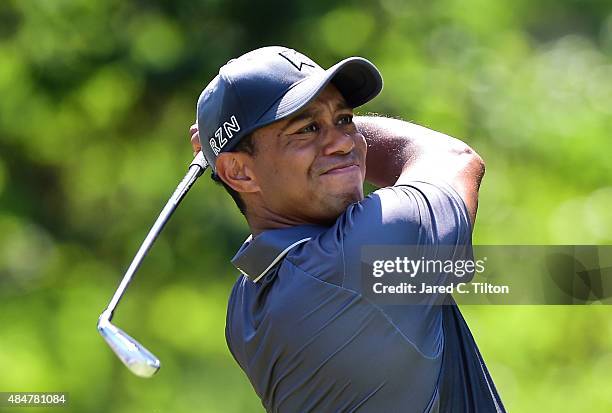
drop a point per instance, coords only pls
(258, 255)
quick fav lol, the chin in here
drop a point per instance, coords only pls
(356, 194)
(336, 205)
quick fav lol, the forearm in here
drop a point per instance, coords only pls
(396, 147)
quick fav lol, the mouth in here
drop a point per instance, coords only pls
(343, 168)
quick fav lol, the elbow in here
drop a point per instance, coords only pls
(472, 161)
(479, 164)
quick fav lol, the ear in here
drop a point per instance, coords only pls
(234, 168)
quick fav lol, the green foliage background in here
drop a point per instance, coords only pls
(96, 98)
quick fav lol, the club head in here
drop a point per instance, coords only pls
(138, 359)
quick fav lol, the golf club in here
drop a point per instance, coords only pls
(138, 359)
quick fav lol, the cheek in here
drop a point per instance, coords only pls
(361, 149)
(290, 172)
(361, 145)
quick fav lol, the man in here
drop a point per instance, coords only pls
(280, 135)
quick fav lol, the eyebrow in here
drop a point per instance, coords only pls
(311, 113)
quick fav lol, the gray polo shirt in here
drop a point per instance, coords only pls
(308, 339)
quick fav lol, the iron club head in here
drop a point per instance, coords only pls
(138, 359)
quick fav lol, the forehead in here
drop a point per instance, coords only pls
(329, 97)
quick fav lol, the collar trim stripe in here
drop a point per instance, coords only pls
(277, 259)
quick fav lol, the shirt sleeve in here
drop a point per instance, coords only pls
(416, 213)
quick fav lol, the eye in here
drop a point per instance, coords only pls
(345, 119)
(313, 127)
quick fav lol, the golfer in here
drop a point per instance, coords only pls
(280, 135)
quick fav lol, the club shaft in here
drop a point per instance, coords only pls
(196, 169)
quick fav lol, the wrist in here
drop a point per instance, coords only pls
(390, 149)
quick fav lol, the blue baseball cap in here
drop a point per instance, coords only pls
(269, 84)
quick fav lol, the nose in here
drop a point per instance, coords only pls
(337, 142)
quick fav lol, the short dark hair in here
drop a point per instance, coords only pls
(246, 145)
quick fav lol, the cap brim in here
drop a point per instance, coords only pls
(358, 80)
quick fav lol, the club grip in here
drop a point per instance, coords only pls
(200, 161)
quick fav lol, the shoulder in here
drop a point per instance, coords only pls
(400, 212)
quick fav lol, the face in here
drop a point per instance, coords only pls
(310, 166)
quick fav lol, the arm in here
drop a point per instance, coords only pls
(400, 152)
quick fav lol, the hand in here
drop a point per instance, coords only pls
(195, 139)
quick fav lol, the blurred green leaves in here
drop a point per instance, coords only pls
(344, 31)
(156, 41)
(107, 95)
(3, 176)
(191, 321)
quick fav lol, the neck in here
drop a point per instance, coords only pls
(260, 218)
(259, 222)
